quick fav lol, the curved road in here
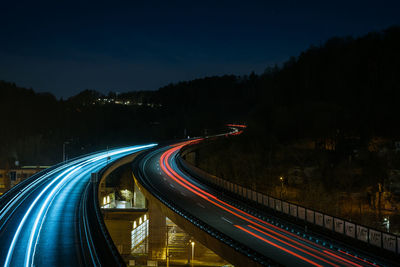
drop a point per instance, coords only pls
(44, 223)
(274, 238)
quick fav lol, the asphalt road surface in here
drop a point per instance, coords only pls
(270, 236)
(44, 223)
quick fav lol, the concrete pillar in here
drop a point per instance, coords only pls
(157, 233)
(139, 200)
(119, 225)
(120, 231)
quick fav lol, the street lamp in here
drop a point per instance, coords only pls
(192, 243)
(281, 179)
(166, 249)
(386, 223)
(65, 143)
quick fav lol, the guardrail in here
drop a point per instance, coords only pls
(386, 241)
(108, 254)
(254, 255)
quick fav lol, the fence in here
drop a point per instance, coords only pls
(362, 233)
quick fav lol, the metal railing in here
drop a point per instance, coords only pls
(376, 238)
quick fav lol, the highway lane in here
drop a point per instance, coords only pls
(272, 237)
(42, 224)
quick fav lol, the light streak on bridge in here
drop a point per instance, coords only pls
(43, 223)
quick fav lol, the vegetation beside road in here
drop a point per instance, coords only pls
(313, 178)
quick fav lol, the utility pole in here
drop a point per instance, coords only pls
(166, 252)
(64, 156)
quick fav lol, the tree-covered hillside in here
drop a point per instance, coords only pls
(347, 87)
(327, 123)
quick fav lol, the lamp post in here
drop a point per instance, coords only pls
(192, 243)
(65, 143)
(167, 252)
(281, 179)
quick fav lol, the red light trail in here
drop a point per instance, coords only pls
(278, 235)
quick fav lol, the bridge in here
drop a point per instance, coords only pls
(53, 218)
(241, 228)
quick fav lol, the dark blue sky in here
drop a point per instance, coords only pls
(65, 47)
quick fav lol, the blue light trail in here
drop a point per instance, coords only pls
(33, 208)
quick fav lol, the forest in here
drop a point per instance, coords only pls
(326, 122)
(36, 126)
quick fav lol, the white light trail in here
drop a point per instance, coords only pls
(70, 169)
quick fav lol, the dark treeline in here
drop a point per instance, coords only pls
(36, 125)
(342, 94)
(206, 103)
(327, 122)
(346, 87)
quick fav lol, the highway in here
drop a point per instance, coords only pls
(45, 222)
(271, 237)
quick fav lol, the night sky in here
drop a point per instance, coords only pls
(65, 47)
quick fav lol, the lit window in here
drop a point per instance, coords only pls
(139, 234)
